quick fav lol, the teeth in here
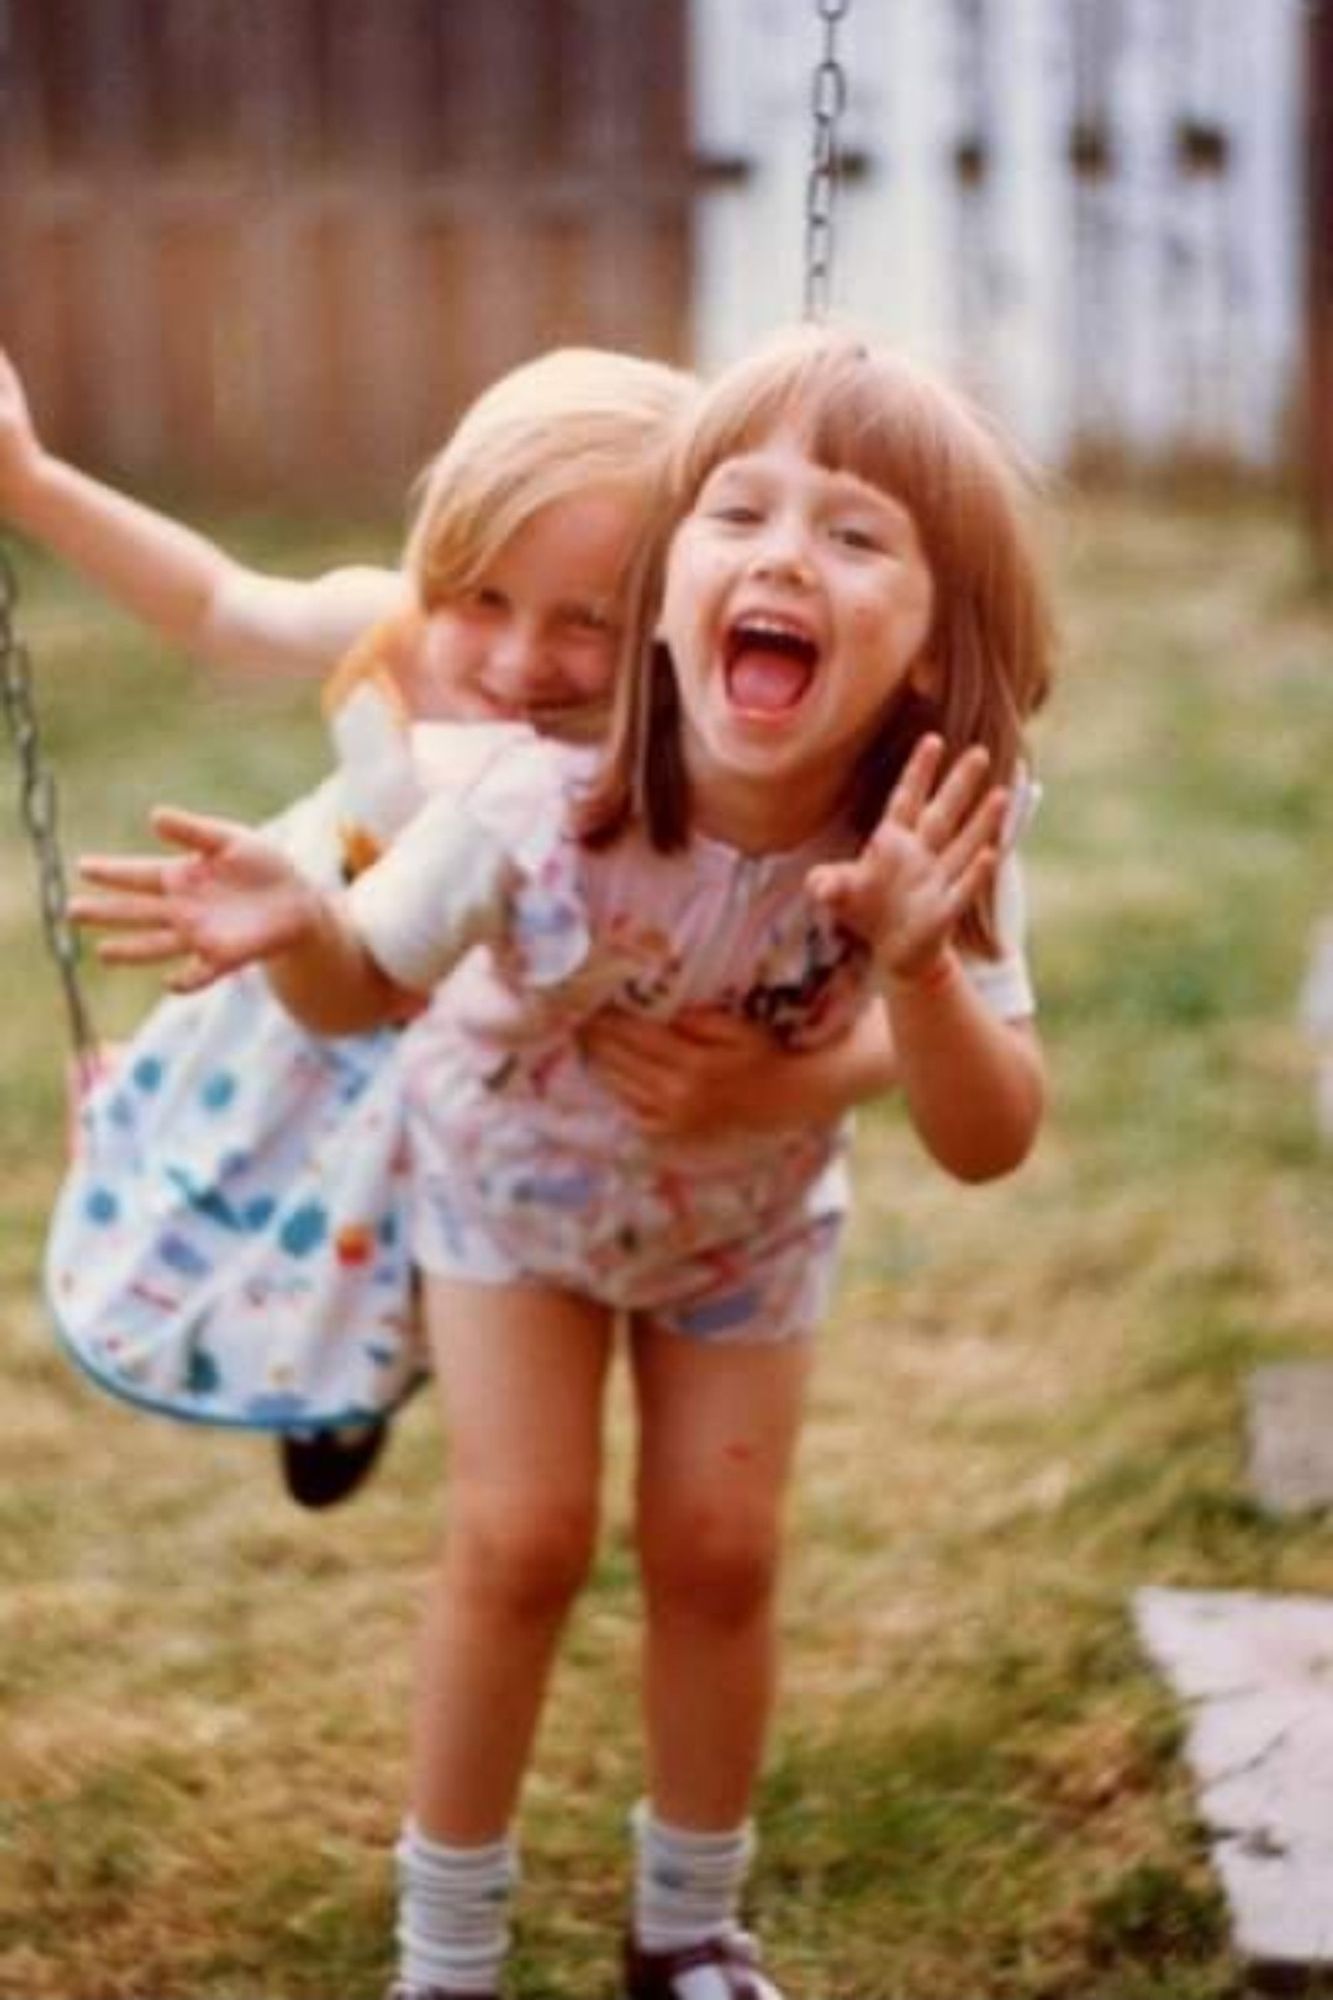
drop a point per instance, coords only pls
(781, 633)
(779, 628)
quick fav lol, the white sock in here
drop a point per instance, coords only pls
(453, 1905)
(687, 1886)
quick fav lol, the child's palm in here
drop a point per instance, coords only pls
(228, 901)
(236, 905)
(925, 863)
(898, 897)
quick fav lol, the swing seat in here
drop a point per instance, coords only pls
(230, 1242)
(229, 1245)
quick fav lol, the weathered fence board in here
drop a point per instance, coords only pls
(279, 243)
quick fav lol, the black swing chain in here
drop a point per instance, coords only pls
(828, 101)
(39, 814)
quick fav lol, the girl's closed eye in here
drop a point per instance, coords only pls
(731, 498)
(860, 536)
(594, 619)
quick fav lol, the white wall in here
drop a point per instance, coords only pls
(1157, 308)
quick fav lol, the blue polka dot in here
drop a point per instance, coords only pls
(101, 1206)
(257, 1214)
(182, 1256)
(304, 1230)
(219, 1090)
(148, 1072)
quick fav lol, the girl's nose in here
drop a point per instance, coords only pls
(516, 658)
(783, 554)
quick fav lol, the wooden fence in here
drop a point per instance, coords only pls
(275, 245)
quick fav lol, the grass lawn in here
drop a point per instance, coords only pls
(1029, 1404)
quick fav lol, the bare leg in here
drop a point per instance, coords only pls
(522, 1372)
(719, 1427)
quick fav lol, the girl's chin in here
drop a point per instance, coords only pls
(759, 725)
(763, 724)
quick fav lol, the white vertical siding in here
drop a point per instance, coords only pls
(1145, 298)
(749, 69)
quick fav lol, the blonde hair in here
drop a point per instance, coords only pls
(864, 410)
(574, 419)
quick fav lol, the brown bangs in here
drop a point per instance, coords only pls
(853, 410)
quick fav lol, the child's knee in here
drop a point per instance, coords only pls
(528, 1556)
(718, 1563)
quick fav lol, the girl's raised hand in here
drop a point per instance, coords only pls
(230, 899)
(929, 858)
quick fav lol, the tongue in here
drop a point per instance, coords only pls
(767, 681)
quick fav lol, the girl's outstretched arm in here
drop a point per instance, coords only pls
(228, 900)
(340, 964)
(174, 580)
(974, 1083)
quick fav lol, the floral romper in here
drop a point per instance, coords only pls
(522, 1165)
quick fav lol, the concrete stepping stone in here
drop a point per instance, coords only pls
(1256, 1673)
(1289, 1417)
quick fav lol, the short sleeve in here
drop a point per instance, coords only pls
(489, 863)
(1005, 983)
(438, 891)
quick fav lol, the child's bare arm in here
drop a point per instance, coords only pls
(174, 580)
(710, 1072)
(340, 964)
(229, 899)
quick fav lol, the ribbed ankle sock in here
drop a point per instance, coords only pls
(687, 1886)
(453, 1909)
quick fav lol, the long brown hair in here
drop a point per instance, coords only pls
(863, 410)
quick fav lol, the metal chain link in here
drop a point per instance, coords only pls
(828, 101)
(38, 810)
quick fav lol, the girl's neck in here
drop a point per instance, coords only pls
(758, 818)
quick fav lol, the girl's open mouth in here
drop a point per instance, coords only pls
(769, 665)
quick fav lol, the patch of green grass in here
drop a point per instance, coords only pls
(1028, 1405)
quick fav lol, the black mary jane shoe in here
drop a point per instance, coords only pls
(320, 1468)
